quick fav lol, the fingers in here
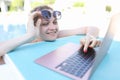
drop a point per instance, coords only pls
(30, 24)
(38, 27)
(86, 45)
(35, 14)
(32, 16)
(87, 42)
(98, 43)
(38, 22)
(95, 43)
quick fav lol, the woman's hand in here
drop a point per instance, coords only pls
(32, 27)
(89, 41)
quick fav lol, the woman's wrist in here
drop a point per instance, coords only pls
(30, 36)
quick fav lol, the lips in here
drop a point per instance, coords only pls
(51, 32)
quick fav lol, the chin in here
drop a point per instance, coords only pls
(51, 39)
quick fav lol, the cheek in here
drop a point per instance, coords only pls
(43, 30)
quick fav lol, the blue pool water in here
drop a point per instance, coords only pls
(13, 30)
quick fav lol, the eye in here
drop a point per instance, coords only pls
(55, 22)
(44, 23)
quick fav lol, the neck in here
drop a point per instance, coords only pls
(37, 40)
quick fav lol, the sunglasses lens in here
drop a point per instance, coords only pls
(46, 14)
(57, 14)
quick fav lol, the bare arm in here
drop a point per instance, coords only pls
(94, 31)
(13, 43)
(28, 37)
(91, 34)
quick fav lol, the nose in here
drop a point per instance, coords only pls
(52, 26)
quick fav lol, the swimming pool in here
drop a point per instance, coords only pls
(13, 30)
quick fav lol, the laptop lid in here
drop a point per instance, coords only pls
(105, 45)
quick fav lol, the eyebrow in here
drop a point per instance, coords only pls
(49, 20)
(46, 20)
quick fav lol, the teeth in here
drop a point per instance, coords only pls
(51, 32)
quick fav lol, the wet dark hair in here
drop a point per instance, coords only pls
(40, 8)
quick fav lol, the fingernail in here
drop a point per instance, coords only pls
(85, 51)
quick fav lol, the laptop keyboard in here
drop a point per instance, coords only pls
(77, 64)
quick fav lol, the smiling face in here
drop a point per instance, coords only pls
(49, 29)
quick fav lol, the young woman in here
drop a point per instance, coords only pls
(43, 26)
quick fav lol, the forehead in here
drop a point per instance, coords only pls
(48, 20)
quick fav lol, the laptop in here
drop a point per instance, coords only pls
(70, 61)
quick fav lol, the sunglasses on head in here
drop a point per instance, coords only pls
(47, 14)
